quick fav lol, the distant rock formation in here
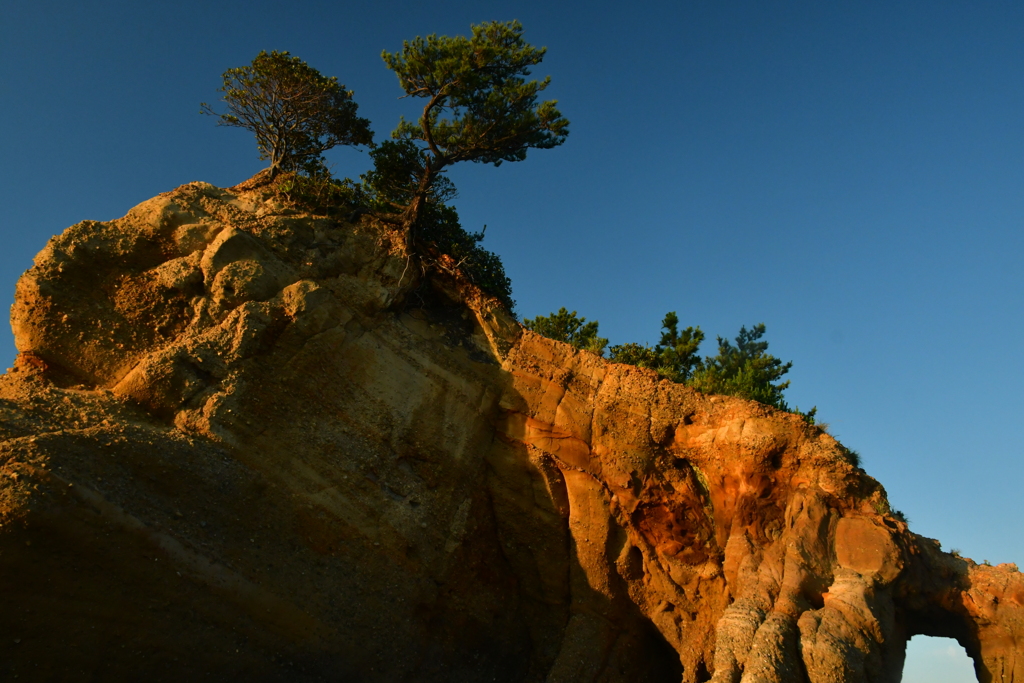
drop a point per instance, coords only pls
(239, 444)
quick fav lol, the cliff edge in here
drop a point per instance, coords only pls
(245, 441)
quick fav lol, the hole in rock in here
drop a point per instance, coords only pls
(937, 660)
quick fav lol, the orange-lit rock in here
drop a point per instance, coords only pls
(244, 441)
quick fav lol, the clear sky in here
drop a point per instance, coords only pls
(848, 173)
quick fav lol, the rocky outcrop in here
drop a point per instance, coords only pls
(245, 441)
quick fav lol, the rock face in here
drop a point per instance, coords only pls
(242, 441)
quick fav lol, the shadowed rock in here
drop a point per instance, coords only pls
(238, 442)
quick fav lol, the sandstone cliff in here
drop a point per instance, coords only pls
(242, 441)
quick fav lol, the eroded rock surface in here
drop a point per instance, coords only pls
(245, 441)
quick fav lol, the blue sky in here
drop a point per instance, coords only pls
(848, 173)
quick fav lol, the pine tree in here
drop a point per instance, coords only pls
(746, 370)
(294, 111)
(479, 106)
(675, 355)
(570, 328)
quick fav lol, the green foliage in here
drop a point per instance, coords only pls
(881, 506)
(322, 193)
(632, 353)
(811, 417)
(570, 328)
(673, 357)
(479, 105)
(745, 370)
(392, 184)
(852, 456)
(440, 226)
(678, 350)
(295, 112)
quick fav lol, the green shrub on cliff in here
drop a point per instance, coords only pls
(744, 369)
(570, 328)
(479, 107)
(673, 357)
(391, 185)
(440, 227)
(322, 193)
(747, 370)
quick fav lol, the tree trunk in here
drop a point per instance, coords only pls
(412, 213)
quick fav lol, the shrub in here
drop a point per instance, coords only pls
(570, 328)
(322, 193)
(388, 188)
(440, 227)
(852, 456)
(673, 357)
(746, 370)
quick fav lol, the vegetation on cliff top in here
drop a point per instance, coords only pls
(569, 328)
(744, 369)
(479, 107)
(295, 112)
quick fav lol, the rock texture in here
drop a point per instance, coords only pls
(242, 441)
